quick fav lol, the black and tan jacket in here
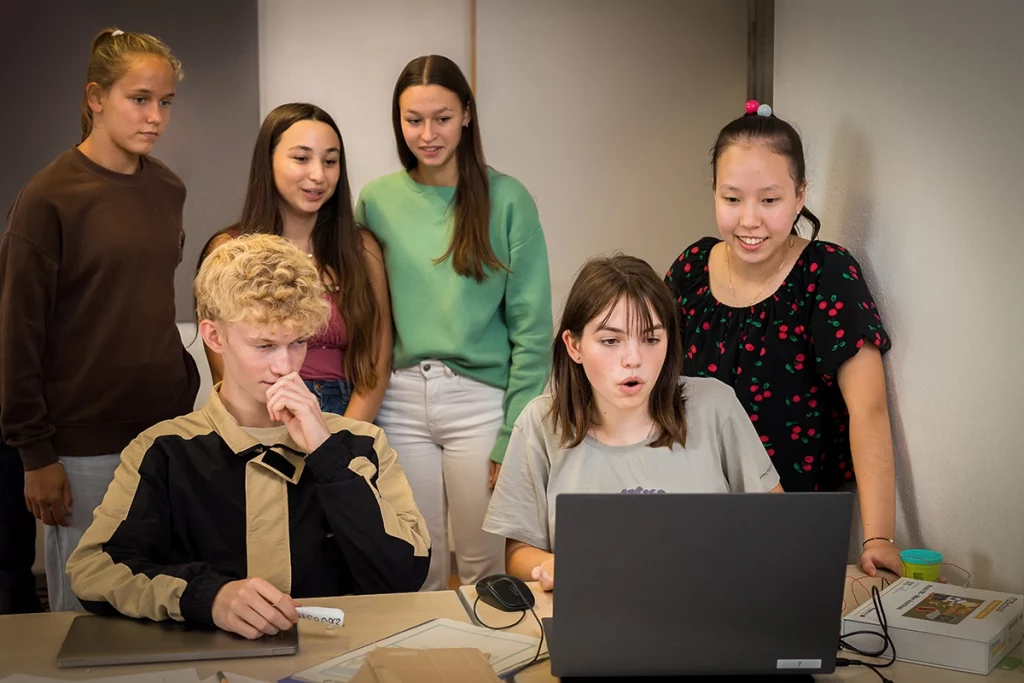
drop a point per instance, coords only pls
(197, 502)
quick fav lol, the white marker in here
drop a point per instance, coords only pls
(325, 615)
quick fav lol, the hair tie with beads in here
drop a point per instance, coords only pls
(753, 107)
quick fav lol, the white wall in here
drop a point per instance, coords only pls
(195, 346)
(606, 110)
(345, 56)
(912, 116)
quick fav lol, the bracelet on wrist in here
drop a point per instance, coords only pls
(878, 538)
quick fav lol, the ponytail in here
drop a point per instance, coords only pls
(806, 214)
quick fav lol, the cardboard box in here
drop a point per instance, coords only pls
(938, 624)
(405, 665)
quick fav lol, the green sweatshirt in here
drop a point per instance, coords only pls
(497, 331)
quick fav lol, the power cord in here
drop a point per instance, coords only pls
(522, 616)
(876, 600)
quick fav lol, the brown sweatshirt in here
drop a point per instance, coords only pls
(90, 356)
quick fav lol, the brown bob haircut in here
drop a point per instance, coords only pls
(600, 286)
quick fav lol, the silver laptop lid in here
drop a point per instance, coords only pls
(99, 641)
(692, 584)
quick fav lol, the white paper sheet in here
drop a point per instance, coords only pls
(505, 651)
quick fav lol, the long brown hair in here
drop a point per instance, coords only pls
(470, 248)
(600, 285)
(337, 243)
(108, 61)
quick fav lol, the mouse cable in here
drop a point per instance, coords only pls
(541, 643)
(522, 616)
(876, 601)
(540, 626)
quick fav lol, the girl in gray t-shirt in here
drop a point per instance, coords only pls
(619, 418)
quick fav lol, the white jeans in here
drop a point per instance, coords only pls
(443, 427)
(89, 478)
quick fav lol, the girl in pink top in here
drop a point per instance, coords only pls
(298, 188)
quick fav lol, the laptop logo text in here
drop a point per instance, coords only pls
(798, 664)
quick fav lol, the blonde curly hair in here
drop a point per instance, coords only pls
(261, 280)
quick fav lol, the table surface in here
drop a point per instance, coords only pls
(31, 641)
(858, 590)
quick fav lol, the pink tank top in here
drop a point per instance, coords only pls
(325, 352)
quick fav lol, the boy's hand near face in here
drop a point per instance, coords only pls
(290, 402)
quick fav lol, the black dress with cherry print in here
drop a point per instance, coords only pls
(781, 355)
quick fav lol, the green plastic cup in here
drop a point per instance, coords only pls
(921, 564)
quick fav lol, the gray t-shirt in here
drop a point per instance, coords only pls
(723, 453)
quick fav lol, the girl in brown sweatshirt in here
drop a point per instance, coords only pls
(89, 352)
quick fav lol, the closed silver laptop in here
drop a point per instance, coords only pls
(100, 641)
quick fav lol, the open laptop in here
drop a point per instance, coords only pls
(100, 641)
(698, 584)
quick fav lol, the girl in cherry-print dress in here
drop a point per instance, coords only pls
(789, 323)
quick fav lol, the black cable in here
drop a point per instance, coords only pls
(873, 667)
(539, 626)
(876, 601)
(522, 616)
(540, 645)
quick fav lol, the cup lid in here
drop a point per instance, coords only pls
(921, 556)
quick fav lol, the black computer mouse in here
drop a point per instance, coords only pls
(505, 592)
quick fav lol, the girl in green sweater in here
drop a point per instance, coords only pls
(467, 268)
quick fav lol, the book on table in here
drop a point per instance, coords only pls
(943, 625)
